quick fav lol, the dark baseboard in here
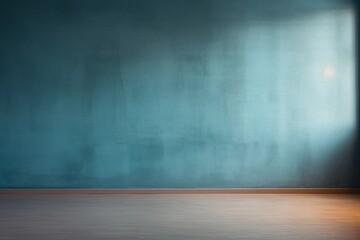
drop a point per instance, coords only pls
(186, 191)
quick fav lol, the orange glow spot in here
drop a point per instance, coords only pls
(329, 72)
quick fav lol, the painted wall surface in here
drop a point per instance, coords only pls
(177, 94)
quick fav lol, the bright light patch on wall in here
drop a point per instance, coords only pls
(329, 72)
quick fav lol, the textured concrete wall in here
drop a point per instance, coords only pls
(177, 93)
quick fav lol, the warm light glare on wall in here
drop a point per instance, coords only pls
(329, 72)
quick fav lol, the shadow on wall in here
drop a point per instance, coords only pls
(341, 168)
(175, 93)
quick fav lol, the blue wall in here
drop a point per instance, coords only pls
(174, 94)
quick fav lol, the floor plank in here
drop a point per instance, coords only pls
(174, 216)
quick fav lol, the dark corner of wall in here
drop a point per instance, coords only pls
(357, 148)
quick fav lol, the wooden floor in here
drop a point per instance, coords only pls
(188, 216)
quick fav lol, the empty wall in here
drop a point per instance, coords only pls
(174, 94)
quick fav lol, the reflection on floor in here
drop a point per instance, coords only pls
(188, 216)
